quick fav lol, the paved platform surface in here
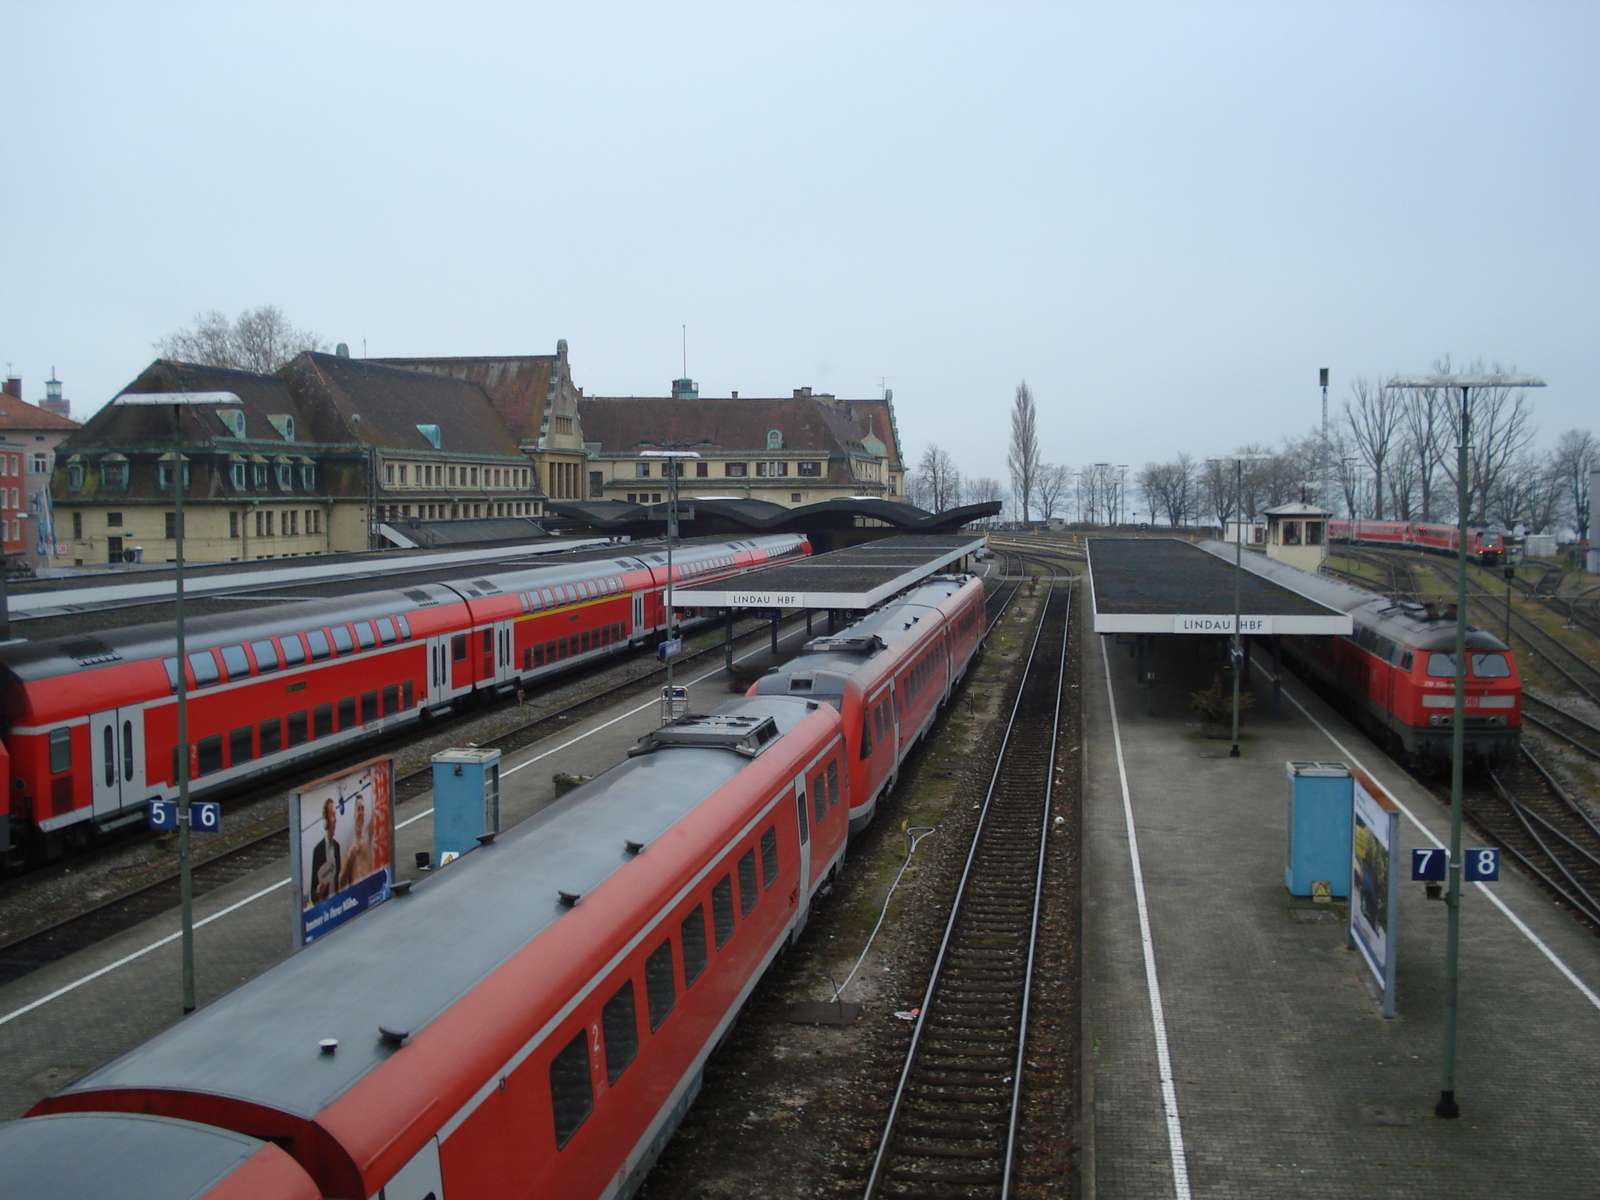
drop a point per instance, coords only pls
(1285, 1082)
(67, 1018)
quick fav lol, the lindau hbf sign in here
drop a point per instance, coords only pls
(1220, 623)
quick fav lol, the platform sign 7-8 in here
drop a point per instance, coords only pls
(1479, 865)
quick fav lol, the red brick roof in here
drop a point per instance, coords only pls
(19, 414)
(517, 384)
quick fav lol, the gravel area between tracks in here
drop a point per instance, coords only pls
(791, 1110)
(53, 893)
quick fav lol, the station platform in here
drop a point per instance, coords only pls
(1232, 1048)
(66, 1018)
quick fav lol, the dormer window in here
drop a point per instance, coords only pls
(164, 472)
(283, 423)
(75, 473)
(285, 473)
(431, 432)
(232, 420)
(236, 472)
(774, 439)
(308, 475)
(114, 473)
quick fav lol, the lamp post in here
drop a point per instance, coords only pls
(178, 401)
(1447, 1106)
(1237, 655)
(674, 459)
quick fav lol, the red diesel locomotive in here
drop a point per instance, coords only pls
(90, 722)
(534, 1019)
(1486, 546)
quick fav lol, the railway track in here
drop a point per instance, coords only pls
(1565, 727)
(1538, 824)
(953, 1119)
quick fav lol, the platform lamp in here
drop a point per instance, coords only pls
(1447, 1106)
(1237, 655)
(675, 458)
(178, 401)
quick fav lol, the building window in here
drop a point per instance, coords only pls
(236, 475)
(597, 484)
(388, 473)
(77, 527)
(794, 497)
(474, 476)
(735, 470)
(452, 476)
(114, 520)
(772, 470)
(308, 477)
(285, 475)
(233, 524)
(774, 439)
(402, 474)
(171, 525)
(702, 470)
(41, 463)
(563, 424)
(641, 470)
(258, 476)
(75, 474)
(809, 468)
(114, 473)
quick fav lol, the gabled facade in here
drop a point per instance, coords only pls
(29, 435)
(536, 400)
(796, 451)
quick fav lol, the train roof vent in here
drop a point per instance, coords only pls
(87, 651)
(867, 644)
(742, 735)
(484, 586)
(420, 596)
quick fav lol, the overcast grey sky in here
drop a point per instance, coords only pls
(1165, 217)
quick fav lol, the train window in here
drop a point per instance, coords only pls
(405, 627)
(621, 1027)
(171, 664)
(584, 642)
(369, 707)
(538, 655)
(458, 648)
(241, 745)
(209, 751)
(1441, 666)
(297, 728)
(722, 910)
(203, 667)
(660, 984)
(347, 712)
(343, 643)
(819, 798)
(527, 605)
(365, 638)
(271, 736)
(1489, 666)
(127, 751)
(385, 631)
(318, 641)
(833, 784)
(109, 754)
(549, 598)
(562, 646)
(234, 660)
(694, 945)
(405, 694)
(571, 1089)
(488, 640)
(294, 650)
(391, 700)
(1407, 660)
(266, 656)
(769, 857)
(322, 720)
(747, 882)
(803, 816)
(866, 735)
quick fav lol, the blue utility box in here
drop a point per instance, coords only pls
(466, 800)
(1320, 799)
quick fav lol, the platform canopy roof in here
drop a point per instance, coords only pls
(1164, 585)
(857, 577)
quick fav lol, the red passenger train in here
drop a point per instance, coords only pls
(1486, 546)
(90, 722)
(534, 1019)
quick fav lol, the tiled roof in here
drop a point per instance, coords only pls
(392, 401)
(145, 424)
(19, 414)
(808, 424)
(518, 384)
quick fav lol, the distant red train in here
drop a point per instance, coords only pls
(1486, 546)
(534, 1019)
(89, 723)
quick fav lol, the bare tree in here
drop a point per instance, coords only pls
(1023, 456)
(1375, 419)
(1425, 414)
(1168, 488)
(1577, 453)
(1100, 491)
(1051, 486)
(1500, 427)
(938, 480)
(261, 339)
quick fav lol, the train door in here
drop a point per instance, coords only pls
(803, 887)
(439, 689)
(116, 757)
(638, 612)
(505, 665)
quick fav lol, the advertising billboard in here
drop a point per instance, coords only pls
(341, 852)
(1374, 882)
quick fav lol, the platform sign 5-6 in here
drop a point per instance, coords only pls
(204, 815)
(1479, 865)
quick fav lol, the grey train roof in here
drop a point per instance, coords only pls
(405, 962)
(95, 1156)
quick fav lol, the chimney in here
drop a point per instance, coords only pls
(14, 386)
(735, 395)
(802, 393)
